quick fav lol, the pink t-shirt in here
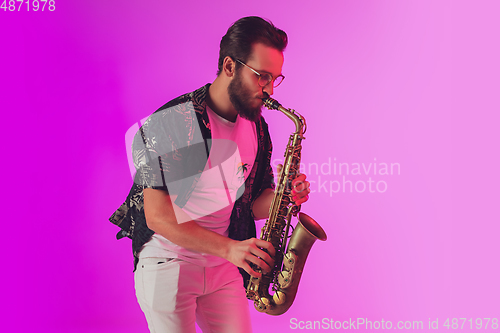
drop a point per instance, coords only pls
(232, 155)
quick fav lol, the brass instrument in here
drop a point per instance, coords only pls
(288, 266)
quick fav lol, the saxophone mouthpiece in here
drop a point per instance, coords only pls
(270, 103)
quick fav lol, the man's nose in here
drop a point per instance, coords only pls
(268, 88)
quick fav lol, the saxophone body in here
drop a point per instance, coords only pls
(289, 260)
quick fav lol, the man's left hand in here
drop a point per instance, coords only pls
(300, 188)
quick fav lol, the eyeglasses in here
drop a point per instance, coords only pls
(266, 78)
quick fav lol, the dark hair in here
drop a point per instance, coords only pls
(237, 42)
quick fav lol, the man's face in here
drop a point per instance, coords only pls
(244, 91)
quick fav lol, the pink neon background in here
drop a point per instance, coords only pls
(408, 82)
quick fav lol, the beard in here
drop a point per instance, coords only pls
(242, 99)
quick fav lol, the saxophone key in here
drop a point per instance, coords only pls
(285, 279)
(279, 298)
(262, 304)
(289, 260)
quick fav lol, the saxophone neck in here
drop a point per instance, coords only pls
(298, 120)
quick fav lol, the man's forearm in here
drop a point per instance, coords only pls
(167, 219)
(171, 222)
(191, 236)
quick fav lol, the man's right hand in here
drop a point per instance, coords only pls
(252, 250)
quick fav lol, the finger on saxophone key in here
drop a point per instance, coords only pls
(266, 254)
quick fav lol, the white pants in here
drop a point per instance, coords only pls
(173, 294)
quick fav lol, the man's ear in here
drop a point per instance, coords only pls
(228, 66)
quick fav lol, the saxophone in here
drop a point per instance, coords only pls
(288, 266)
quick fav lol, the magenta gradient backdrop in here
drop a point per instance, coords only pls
(408, 82)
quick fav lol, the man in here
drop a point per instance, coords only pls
(203, 176)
